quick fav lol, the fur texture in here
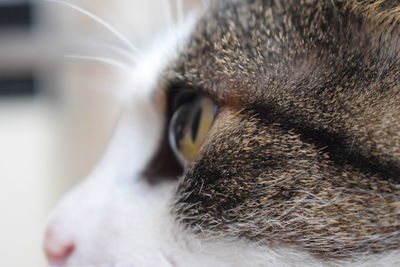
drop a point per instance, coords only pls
(301, 167)
(307, 153)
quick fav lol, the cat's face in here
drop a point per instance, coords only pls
(283, 127)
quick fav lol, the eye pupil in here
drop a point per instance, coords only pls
(196, 124)
(178, 126)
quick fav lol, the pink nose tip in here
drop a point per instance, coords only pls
(57, 249)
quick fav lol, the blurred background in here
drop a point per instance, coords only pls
(57, 113)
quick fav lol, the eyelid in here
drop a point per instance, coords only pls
(188, 94)
(179, 89)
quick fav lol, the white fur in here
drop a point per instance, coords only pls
(116, 219)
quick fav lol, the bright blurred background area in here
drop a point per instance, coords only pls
(57, 113)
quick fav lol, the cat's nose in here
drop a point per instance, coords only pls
(58, 248)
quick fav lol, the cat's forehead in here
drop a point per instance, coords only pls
(243, 51)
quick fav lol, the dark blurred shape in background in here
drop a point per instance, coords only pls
(18, 85)
(16, 14)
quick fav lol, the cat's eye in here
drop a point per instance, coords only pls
(190, 123)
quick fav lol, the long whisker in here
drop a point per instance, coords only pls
(100, 21)
(117, 50)
(102, 60)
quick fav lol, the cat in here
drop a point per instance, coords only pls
(262, 133)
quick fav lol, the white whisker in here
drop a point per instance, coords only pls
(100, 59)
(100, 21)
(115, 49)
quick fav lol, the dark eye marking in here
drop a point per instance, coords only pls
(340, 148)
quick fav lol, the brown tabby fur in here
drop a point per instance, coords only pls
(306, 149)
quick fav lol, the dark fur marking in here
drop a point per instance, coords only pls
(335, 144)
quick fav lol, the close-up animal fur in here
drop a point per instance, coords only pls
(261, 133)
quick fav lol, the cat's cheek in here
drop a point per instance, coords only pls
(115, 218)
